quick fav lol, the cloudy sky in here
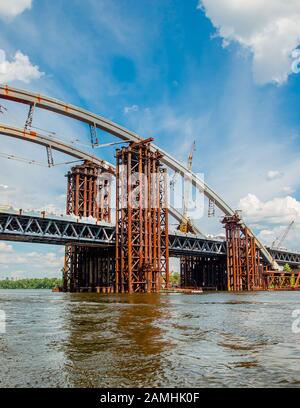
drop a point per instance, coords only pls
(222, 72)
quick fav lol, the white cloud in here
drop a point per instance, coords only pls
(3, 187)
(279, 210)
(30, 263)
(5, 247)
(288, 190)
(9, 9)
(270, 29)
(271, 219)
(19, 69)
(276, 237)
(274, 174)
(132, 108)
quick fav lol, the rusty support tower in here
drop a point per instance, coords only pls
(244, 267)
(142, 253)
(88, 195)
(88, 192)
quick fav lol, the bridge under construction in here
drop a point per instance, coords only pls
(126, 248)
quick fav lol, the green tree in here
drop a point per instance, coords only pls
(287, 268)
(35, 283)
(174, 278)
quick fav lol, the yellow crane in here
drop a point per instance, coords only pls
(185, 225)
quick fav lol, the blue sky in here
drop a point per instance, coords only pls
(218, 72)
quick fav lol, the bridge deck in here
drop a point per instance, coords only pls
(64, 230)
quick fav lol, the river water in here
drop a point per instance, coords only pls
(158, 340)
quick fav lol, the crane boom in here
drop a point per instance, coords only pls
(190, 158)
(283, 237)
(186, 225)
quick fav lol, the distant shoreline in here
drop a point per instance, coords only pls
(33, 283)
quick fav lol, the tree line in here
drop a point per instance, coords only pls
(36, 283)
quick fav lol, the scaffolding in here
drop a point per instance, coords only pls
(281, 280)
(207, 272)
(244, 267)
(89, 192)
(88, 268)
(142, 253)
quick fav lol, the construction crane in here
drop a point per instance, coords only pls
(185, 225)
(279, 240)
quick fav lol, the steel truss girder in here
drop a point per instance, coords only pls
(16, 227)
(53, 231)
(184, 245)
(282, 257)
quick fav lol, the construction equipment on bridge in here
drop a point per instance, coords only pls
(244, 268)
(185, 225)
(142, 253)
(278, 241)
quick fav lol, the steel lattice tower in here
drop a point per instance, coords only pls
(142, 254)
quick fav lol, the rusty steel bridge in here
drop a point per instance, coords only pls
(130, 250)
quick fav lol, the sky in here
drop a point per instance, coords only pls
(224, 73)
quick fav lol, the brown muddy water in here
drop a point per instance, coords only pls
(165, 340)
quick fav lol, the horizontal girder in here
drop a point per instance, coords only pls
(61, 231)
(27, 228)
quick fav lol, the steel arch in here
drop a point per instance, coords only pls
(54, 105)
(55, 144)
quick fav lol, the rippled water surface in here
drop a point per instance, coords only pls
(89, 340)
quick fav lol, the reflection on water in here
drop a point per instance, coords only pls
(90, 340)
